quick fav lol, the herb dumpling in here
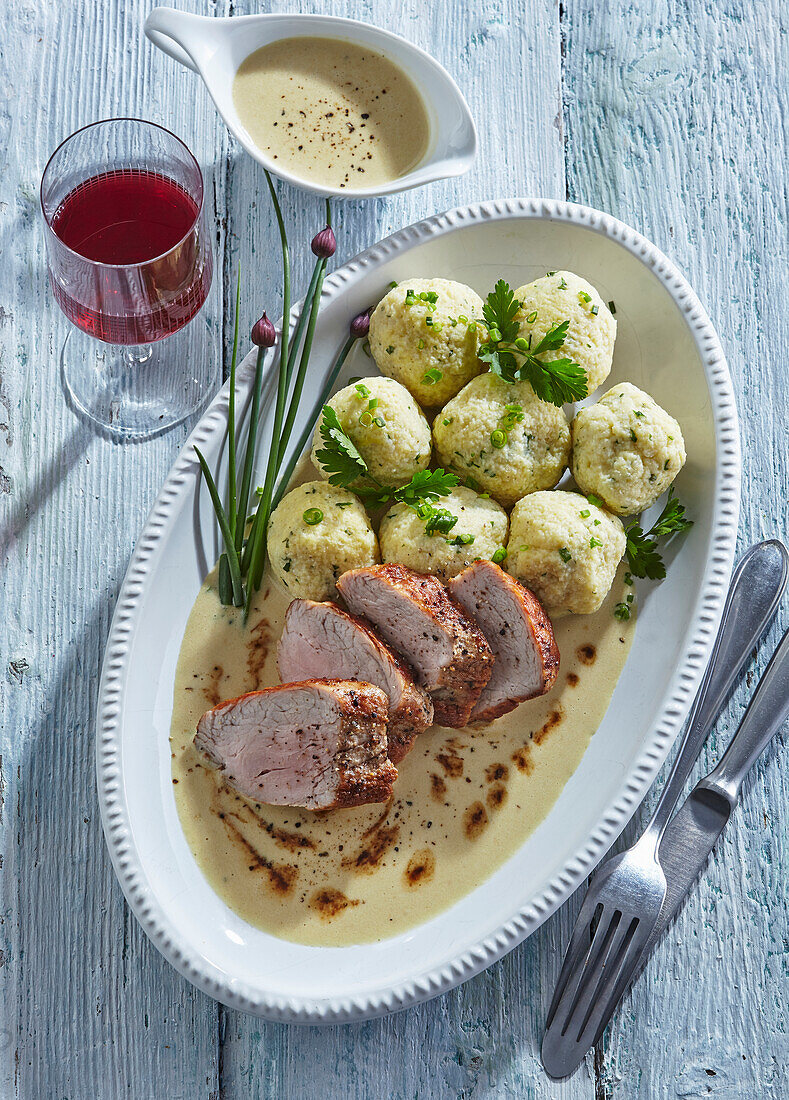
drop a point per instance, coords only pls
(426, 333)
(565, 549)
(504, 437)
(627, 450)
(386, 426)
(437, 545)
(563, 296)
(317, 532)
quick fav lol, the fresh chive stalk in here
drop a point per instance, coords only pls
(256, 547)
(252, 553)
(241, 564)
(224, 527)
(249, 455)
(287, 474)
(225, 579)
(323, 246)
(232, 510)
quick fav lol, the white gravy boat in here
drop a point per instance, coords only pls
(215, 48)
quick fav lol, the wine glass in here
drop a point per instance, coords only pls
(130, 265)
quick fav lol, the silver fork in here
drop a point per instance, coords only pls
(625, 898)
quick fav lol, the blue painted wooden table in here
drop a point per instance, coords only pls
(671, 115)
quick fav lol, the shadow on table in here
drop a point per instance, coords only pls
(98, 1012)
(43, 487)
(481, 1039)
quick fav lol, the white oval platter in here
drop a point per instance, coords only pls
(666, 345)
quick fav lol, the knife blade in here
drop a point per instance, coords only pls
(691, 834)
(684, 851)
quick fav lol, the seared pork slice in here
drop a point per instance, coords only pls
(518, 631)
(412, 612)
(320, 639)
(320, 744)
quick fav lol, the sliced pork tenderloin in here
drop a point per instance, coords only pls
(320, 639)
(413, 613)
(320, 744)
(518, 631)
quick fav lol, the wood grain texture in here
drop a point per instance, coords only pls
(666, 114)
(481, 1038)
(675, 125)
(91, 1009)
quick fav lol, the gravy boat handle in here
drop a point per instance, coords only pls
(179, 34)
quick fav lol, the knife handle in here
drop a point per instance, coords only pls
(754, 593)
(766, 713)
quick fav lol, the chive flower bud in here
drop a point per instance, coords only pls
(324, 244)
(263, 333)
(360, 325)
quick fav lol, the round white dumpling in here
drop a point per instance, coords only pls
(565, 549)
(425, 334)
(563, 296)
(504, 437)
(627, 450)
(315, 533)
(386, 426)
(480, 532)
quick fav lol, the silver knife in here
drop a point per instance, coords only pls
(692, 832)
(754, 594)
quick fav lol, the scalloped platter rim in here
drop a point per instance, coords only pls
(666, 344)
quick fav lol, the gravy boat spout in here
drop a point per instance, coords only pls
(216, 48)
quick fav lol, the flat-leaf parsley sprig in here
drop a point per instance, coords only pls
(641, 550)
(339, 456)
(513, 358)
(346, 467)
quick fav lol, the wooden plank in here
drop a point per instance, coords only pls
(674, 125)
(668, 126)
(91, 1008)
(482, 1038)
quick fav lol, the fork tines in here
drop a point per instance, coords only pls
(595, 973)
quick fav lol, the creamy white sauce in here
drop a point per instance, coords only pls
(464, 802)
(332, 111)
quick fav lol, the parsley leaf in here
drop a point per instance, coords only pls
(342, 461)
(499, 311)
(426, 486)
(502, 363)
(641, 549)
(672, 519)
(555, 381)
(642, 554)
(553, 339)
(339, 457)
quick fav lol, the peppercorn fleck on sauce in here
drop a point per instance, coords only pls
(332, 112)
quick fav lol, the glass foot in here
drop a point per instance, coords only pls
(137, 392)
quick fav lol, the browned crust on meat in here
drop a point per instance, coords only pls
(544, 639)
(361, 790)
(469, 670)
(365, 710)
(415, 712)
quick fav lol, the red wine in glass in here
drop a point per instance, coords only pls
(132, 218)
(130, 264)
